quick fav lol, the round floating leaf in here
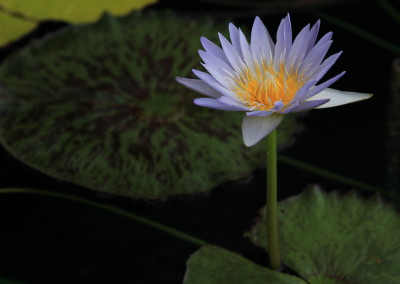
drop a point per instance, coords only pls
(19, 17)
(333, 238)
(215, 265)
(98, 105)
(11, 28)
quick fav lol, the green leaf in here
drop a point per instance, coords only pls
(215, 265)
(19, 17)
(98, 105)
(333, 238)
(11, 28)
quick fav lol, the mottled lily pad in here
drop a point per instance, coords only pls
(215, 265)
(333, 238)
(98, 105)
(19, 17)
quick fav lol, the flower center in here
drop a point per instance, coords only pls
(263, 87)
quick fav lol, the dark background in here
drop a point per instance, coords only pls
(48, 240)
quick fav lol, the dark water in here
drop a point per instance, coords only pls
(46, 240)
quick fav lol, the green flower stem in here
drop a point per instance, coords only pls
(111, 209)
(272, 220)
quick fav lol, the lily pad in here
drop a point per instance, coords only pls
(333, 238)
(215, 265)
(19, 17)
(12, 28)
(98, 105)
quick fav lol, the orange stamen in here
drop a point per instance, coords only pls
(264, 86)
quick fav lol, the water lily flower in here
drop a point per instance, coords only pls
(265, 79)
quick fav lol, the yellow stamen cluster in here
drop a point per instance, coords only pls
(262, 87)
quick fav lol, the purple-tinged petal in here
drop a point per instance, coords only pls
(232, 54)
(246, 51)
(288, 33)
(322, 42)
(313, 36)
(199, 86)
(215, 104)
(325, 66)
(255, 128)
(210, 80)
(317, 89)
(338, 98)
(277, 106)
(313, 60)
(233, 103)
(289, 107)
(262, 45)
(217, 68)
(259, 113)
(283, 42)
(325, 38)
(213, 49)
(234, 35)
(306, 105)
(303, 90)
(298, 50)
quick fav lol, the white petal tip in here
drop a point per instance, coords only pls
(255, 128)
(338, 98)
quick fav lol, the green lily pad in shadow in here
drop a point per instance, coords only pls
(215, 265)
(333, 238)
(98, 105)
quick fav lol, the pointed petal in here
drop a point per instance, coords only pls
(325, 66)
(221, 71)
(309, 104)
(317, 89)
(291, 106)
(212, 82)
(234, 34)
(232, 54)
(199, 86)
(215, 104)
(262, 45)
(255, 128)
(213, 49)
(304, 90)
(298, 50)
(283, 42)
(314, 58)
(313, 35)
(338, 98)
(246, 51)
(233, 103)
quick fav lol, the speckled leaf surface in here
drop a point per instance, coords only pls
(19, 17)
(332, 238)
(215, 265)
(98, 105)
